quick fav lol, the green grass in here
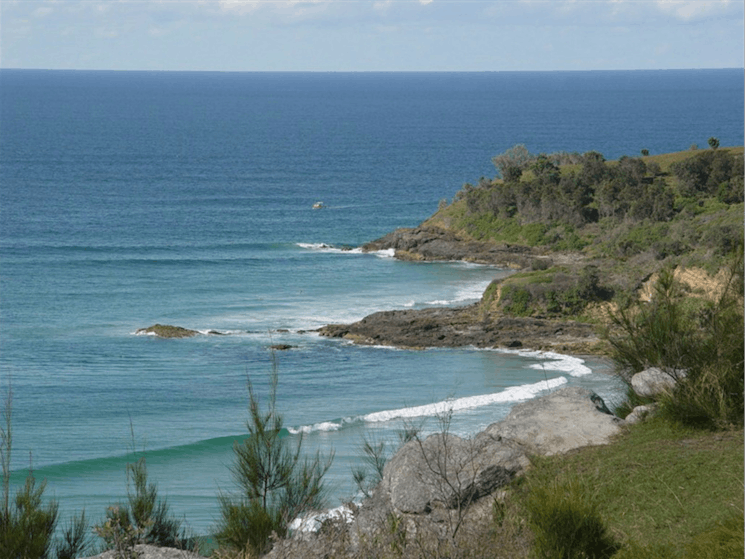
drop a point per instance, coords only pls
(658, 484)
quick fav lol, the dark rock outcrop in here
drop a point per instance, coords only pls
(168, 331)
(431, 243)
(464, 326)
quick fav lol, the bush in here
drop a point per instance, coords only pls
(276, 485)
(27, 527)
(566, 523)
(143, 520)
(703, 338)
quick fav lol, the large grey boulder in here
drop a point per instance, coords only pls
(654, 381)
(447, 471)
(568, 418)
(153, 552)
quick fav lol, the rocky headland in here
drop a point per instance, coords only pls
(466, 326)
(429, 243)
(476, 325)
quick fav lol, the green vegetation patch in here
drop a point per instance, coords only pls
(556, 291)
(657, 484)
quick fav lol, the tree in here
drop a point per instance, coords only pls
(512, 162)
(26, 524)
(276, 484)
(645, 152)
(713, 142)
(144, 519)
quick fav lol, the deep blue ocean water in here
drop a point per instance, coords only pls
(130, 198)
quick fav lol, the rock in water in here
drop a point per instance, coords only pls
(168, 331)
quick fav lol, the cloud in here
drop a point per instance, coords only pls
(689, 10)
(240, 7)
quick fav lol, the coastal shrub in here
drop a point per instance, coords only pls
(26, 524)
(276, 484)
(516, 300)
(566, 523)
(374, 458)
(75, 538)
(704, 339)
(144, 519)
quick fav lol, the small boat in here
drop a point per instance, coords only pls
(318, 206)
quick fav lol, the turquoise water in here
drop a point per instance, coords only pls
(131, 198)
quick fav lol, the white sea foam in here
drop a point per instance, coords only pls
(313, 522)
(387, 253)
(509, 395)
(469, 292)
(513, 394)
(574, 366)
(323, 426)
(323, 247)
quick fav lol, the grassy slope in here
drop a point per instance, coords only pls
(658, 485)
(660, 488)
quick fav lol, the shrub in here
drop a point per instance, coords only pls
(704, 339)
(566, 523)
(516, 300)
(276, 485)
(26, 524)
(143, 520)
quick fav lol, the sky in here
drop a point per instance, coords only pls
(382, 35)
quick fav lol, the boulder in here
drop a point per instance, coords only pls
(654, 381)
(153, 552)
(568, 418)
(445, 470)
(640, 413)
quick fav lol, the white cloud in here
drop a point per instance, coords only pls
(239, 6)
(425, 2)
(688, 10)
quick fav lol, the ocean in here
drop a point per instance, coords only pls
(134, 198)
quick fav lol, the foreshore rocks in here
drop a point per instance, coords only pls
(465, 326)
(430, 484)
(432, 244)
